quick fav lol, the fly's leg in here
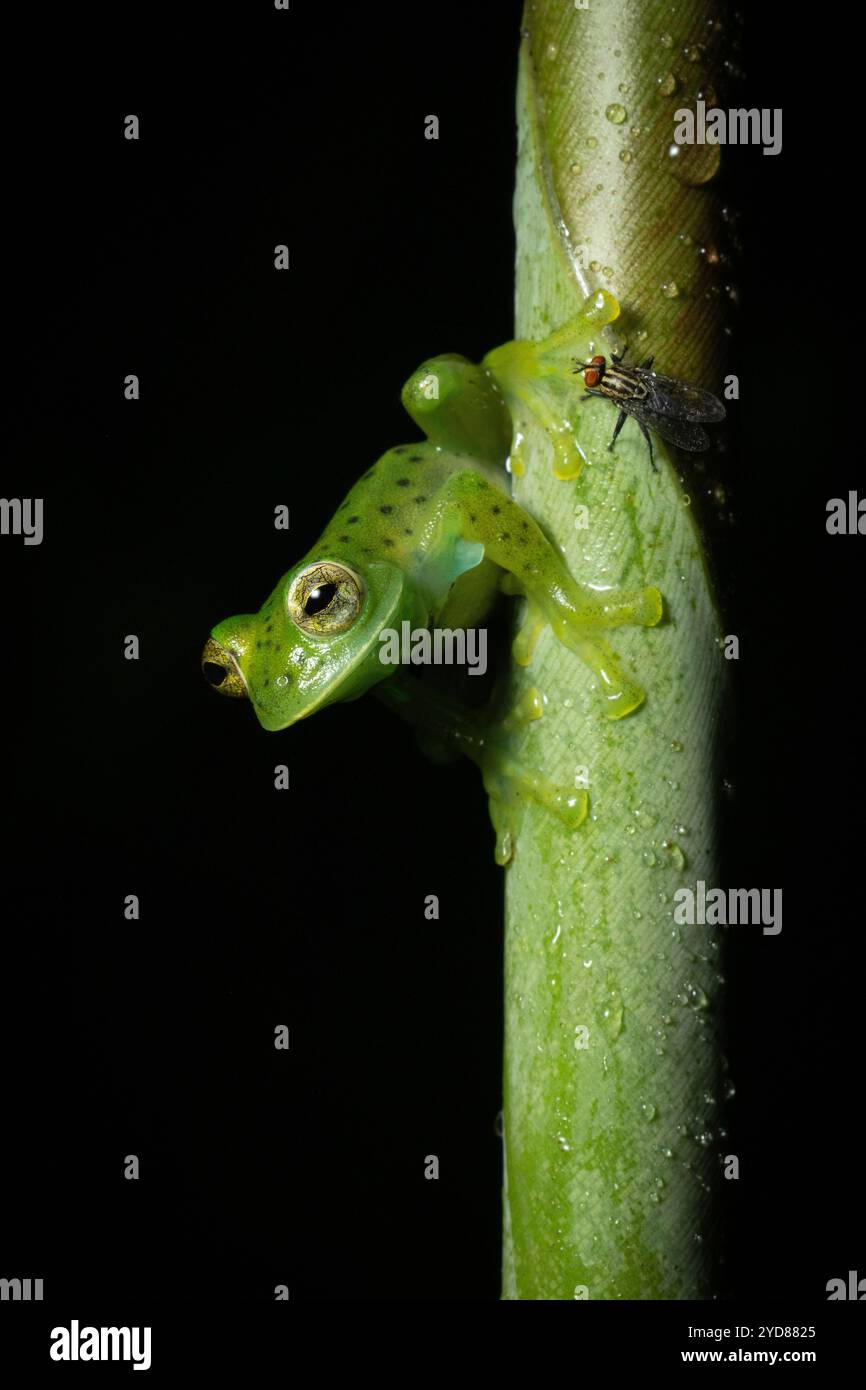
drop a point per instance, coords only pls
(621, 419)
(619, 358)
(646, 435)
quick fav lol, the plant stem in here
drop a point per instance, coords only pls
(612, 1147)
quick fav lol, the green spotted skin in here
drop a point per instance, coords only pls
(427, 536)
(402, 510)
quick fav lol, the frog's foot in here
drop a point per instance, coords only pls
(506, 814)
(538, 378)
(550, 412)
(527, 635)
(577, 621)
(599, 609)
(612, 609)
(577, 615)
(545, 401)
(568, 457)
(509, 784)
(619, 694)
(447, 728)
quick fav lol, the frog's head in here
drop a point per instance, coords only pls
(313, 642)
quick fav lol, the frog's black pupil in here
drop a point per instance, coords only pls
(319, 598)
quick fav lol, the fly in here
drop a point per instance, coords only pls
(672, 408)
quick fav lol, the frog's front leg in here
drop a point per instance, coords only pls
(490, 744)
(514, 542)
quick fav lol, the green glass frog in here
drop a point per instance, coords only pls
(429, 536)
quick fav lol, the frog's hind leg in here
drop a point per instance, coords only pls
(443, 727)
(454, 403)
(509, 784)
(576, 615)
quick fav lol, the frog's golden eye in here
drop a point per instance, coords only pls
(325, 598)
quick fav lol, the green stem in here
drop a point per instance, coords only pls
(613, 1147)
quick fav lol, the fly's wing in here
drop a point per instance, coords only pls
(679, 398)
(684, 433)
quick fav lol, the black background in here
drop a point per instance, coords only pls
(306, 908)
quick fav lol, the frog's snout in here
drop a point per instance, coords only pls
(221, 670)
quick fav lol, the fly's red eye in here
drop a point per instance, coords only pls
(597, 361)
(592, 376)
